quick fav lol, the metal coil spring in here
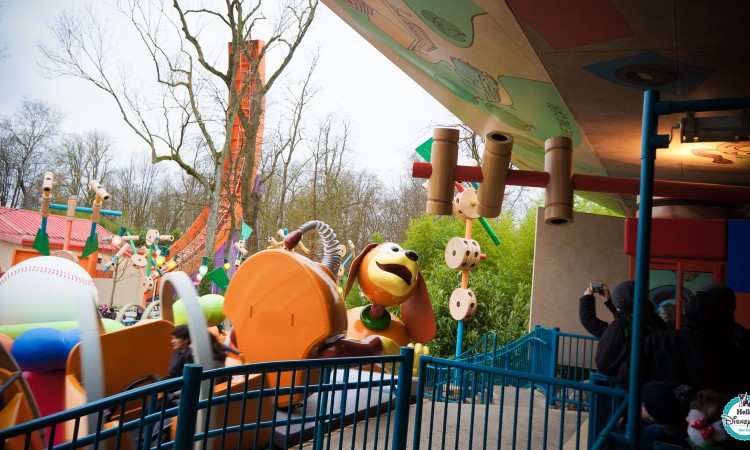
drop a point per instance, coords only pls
(331, 257)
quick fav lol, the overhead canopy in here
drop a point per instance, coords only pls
(578, 68)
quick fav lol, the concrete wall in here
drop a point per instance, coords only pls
(6, 255)
(566, 259)
(128, 289)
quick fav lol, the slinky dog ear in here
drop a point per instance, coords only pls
(417, 314)
(355, 267)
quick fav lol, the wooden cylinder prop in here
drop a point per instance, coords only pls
(49, 178)
(465, 204)
(443, 159)
(70, 214)
(99, 190)
(66, 254)
(558, 162)
(462, 254)
(463, 304)
(48, 181)
(495, 161)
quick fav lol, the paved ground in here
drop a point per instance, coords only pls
(477, 426)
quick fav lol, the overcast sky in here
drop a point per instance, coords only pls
(389, 113)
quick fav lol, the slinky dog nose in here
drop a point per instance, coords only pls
(411, 255)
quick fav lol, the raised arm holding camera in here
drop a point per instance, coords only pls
(614, 338)
(587, 309)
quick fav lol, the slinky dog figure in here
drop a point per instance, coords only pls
(389, 276)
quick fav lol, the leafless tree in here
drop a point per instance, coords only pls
(403, 201)
(137, 186)
(7, 172)
(283, 163)
(78, 158)
(198, 92)
(26, 137)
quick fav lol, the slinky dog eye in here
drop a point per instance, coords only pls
(390, 247)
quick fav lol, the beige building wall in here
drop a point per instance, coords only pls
(566, 259)
(128, 289)
(6, 255)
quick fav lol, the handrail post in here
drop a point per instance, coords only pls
(329, 376)
(554, 345)
(423, 361)
(649, 141)
(403, 399)
(554, 350)
(187, 410)
(459, 338)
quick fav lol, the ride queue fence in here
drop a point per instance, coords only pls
(548, 369)
(537, 392)
(200, 418)
(544, 351)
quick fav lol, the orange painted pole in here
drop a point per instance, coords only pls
(71, 214)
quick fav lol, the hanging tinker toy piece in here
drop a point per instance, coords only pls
(425, 151)
(41, 241)
(486, 200)
(464, 255)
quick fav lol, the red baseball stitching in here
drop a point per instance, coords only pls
(49, 271)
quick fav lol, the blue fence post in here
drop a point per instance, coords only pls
(643, 253)
(188, 409)
(322, 408)
(554, 345)
(459, 339)
(423, 361)
(403, 399)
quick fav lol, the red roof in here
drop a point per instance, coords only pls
(20, 226)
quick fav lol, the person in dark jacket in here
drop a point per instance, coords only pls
(699, 353)
(738, 336)
(614, 343)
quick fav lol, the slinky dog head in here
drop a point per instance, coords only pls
(389, 276)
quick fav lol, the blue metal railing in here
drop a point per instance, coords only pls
(544, 351)
(520, 418)
(486, 346)
(537, 392)
(322, 397)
